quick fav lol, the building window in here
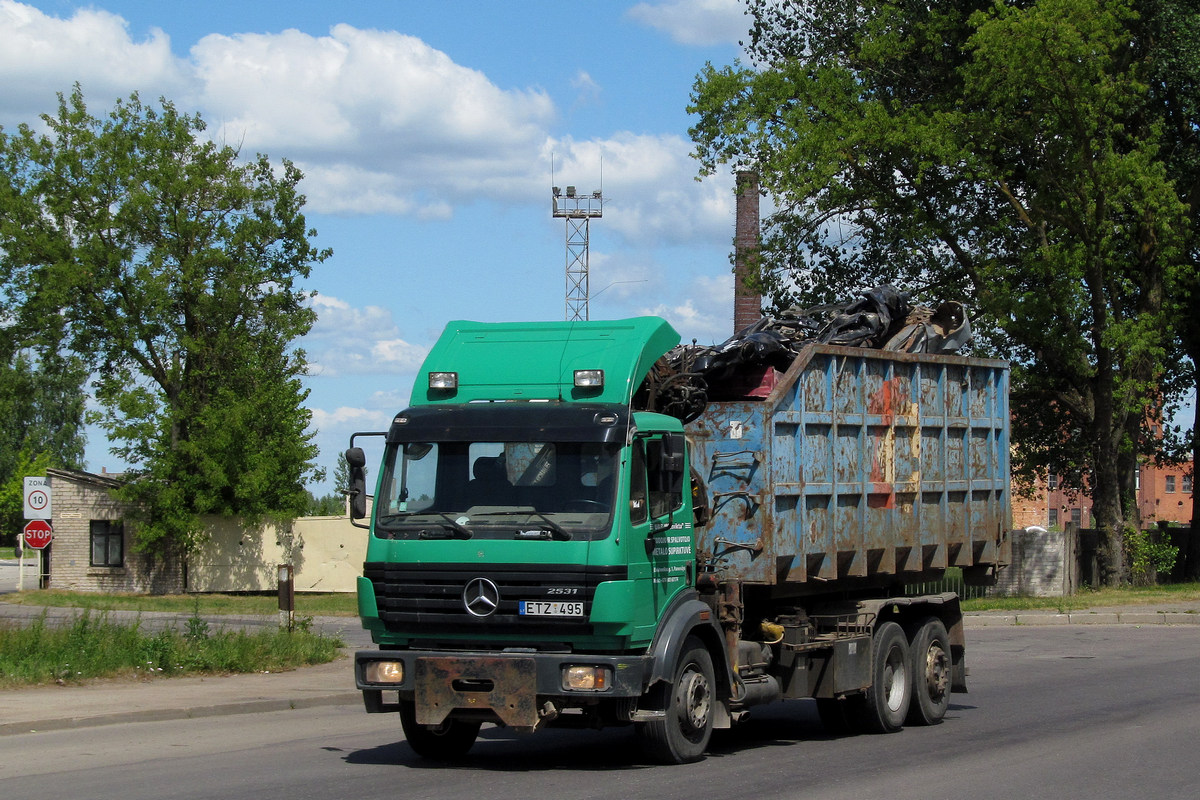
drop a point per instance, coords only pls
(1077, 516)
(108, 543)
(1052, 482)
(1170, 484)
(1054, 518)
(1187, 484)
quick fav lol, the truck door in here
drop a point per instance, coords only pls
(661, 547)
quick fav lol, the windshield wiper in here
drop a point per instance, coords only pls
(452, 529)
(557, 531)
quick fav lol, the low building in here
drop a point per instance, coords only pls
(93, 548)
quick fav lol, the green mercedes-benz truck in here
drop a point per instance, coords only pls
(548, 548)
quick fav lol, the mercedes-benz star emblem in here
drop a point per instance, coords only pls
(481, 597)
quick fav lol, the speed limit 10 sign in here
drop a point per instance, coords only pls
(37, 498)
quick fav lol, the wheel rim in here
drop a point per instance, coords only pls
(895, 680)
(937, 672)
(694, 700)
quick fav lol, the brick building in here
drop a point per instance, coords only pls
(92, 548)
(1164, 494)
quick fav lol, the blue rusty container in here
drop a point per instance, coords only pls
(860, 468)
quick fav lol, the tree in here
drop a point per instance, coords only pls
(996, 151)
(171, 267)
(41, 421)
(1170, 36)
(333, 503)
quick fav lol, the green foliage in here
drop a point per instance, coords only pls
(1148, 553)
(172, 267)
(1007, 154)
(12, 493)
(339, 604)
(333, 504)
(93, 646)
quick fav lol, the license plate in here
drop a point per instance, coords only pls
(550, 608)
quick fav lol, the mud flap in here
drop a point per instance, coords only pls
(505, 686)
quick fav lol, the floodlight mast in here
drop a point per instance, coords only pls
(578, 210)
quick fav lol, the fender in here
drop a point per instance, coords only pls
(686, 615)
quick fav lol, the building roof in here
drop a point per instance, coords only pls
(109, 480)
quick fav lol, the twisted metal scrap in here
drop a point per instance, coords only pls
(682, 382)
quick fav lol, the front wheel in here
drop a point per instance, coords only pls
(682, 735)
(886, 702)
(446, 742)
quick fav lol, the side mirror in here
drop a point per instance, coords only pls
(673, 462)
(356, 460)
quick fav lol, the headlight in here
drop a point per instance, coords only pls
(586, 679)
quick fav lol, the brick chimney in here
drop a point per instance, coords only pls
(747, 303)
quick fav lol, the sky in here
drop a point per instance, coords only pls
(430, 134)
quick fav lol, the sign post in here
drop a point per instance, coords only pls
(39, 510)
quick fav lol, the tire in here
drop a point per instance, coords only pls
(447, 742)
(931, 667)
(885, 703)
(683, 734)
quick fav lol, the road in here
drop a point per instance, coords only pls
(10, 572)
(1084, 711)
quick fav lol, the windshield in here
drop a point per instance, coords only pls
(497, 490)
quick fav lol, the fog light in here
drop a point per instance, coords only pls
(589, 378)
(443, 380)
(385, 672)
(586, 679)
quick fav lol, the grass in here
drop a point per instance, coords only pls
(93, 647)
(307, 604)
(1091, 598)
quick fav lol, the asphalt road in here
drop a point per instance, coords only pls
(10, 572)
(1065, 712)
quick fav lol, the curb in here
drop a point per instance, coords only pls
(1170, 618)
(167, 714)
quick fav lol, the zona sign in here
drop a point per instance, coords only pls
(38, 533)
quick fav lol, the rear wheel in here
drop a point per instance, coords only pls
(450, 740)
(682, 735)
(931, 668)
(885, 703)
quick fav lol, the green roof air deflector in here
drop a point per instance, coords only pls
(537, 360)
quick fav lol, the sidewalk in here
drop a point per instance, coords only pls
(44, 708)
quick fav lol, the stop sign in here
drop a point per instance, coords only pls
(38, 533)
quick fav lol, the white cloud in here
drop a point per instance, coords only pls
(696, 22)
(371, 108)
(379, 121)
(358, 341)
(705, 315)
(651, 195)
(41, 55)
(345, 416)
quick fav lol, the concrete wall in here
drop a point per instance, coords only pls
(1042, 564)
(326, 553)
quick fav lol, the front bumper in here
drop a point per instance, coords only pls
(512, 686)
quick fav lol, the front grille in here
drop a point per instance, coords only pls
(427, 599)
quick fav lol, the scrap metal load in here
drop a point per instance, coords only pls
(684, 380)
